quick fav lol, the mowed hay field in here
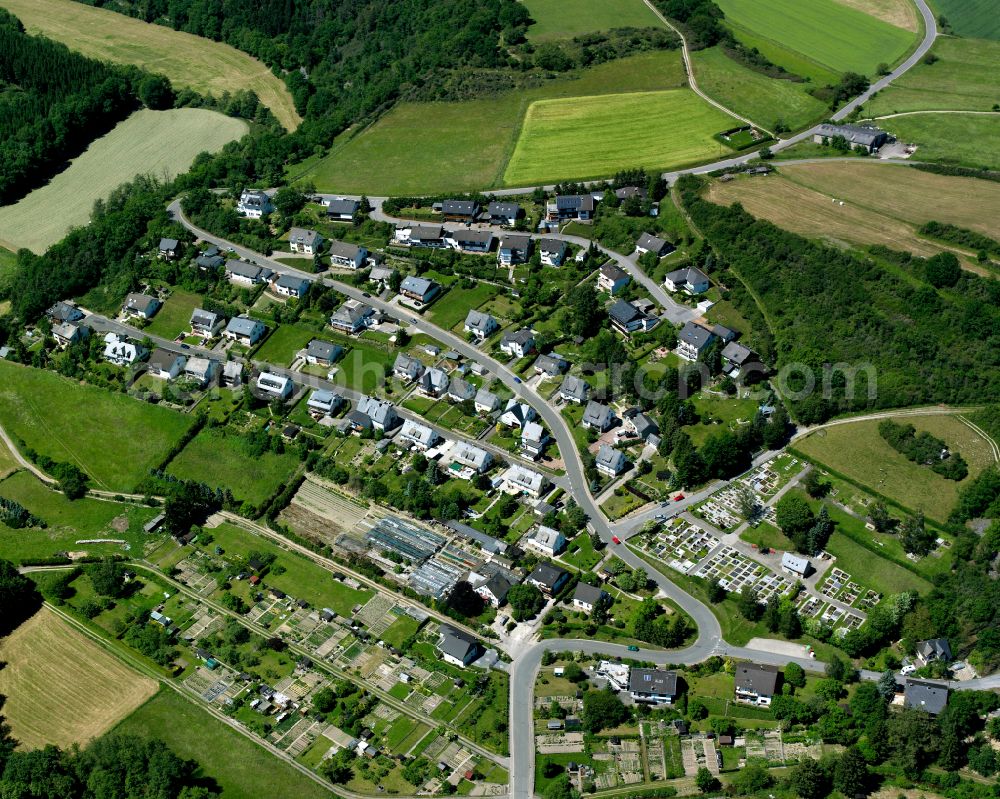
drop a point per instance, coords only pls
(964, 78)
(857, 451)
(562, 19)
(463, 146)
(587, 137)
(832, 34)
(761, 99)
(963, 139)
(115, 439)
(901, 13)
(61, 687)
(160, 143)
(188, 61)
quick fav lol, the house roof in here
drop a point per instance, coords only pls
(377, 410)
(168, 244)
(613, 273)
(515, 242)
(139, 302)
(298, 235)
(426, 232)
(647, 241)
(293, 282)
(630, 191)
(797, 564)
(323, 350)
(547, 537)
(498, 586)
(575, 202)
(552, 246)
(757, 678)
(209, 261)
(521, 337)
(242, 326)
(645, 426)
(162, 360)
(610, 458)
(342, 206)
(462, 389)
(688, 275)
(533, 432)
(456, 643)
(487, 398)
(736, 353)
(587, 593)
(503, 209)
(931, 697)
(652, 681)
(472, 236)
(199, 316)
(518, 412)
(624, 312)
(597, 414)
(934, 649)
(435, 380)
(524, 478)
(420, 433)
(323, 399)
(477, 320)
(546, 574)
(855, 134)
(203, 367)
(350, 315)
(344, 249)
(247, 270)
(575, 387)
(64, 312)
(408, 365)
(487, 542)
(552, 364)
(459, 207)
(695, 335)
(416, 285)
(468, 455)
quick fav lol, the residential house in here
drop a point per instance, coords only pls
(245, 330)
(459, 210)
(643, 426)
(931, 697)
(457, 647)
(419, 289)
(755, 683)
(628, 319)
(247, 274)
(739, 361)
(168, 249)
(517, 414)
(64, 312)
(612, 278)
(381, 413)
(232, 373)
(210, 262)
(141, 305)
(460, 390)
(546, 540)
(291, 286)
(275, 385)
(514, 249)
(324, 403)
(518, 344)
(466, 456)
(692, 340)
(504, 213)
(322, 353)
(67, 333)
(480, 325)
(652, 686)
(520, 480)
(412, 235)
(795, 565)
(628, 192)
(574, 389)
(164, 364)
(341, 209)
(352, 317)
(494, 590)
(433, 382)
(551, 365)
(650, 243)
(254, 204)
(486, 401)
(202, 370)
(205, 324)
(933, 649)
(547, 578)
(474, 241)
(122, 351)
(688, 279)
(586, 597)
(571, 206)
(407, 368)
(418, 435)
(533, 439)
(382, 276)
(871, 139)
(597, 416)
(610, 461)
(349, 256)
(552, 251)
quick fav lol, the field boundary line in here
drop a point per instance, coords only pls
(988, 438)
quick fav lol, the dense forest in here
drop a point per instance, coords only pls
(912, 331)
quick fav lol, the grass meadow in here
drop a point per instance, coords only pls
(242, 768)
(832, 34)
(464, 146)
(962, 139)
(976, 18)
(174, 317)
(189, 61)
(962, 79)
(148, 142)
(762, 99)
(857, 451)
(219, 459)
(283, 343)
(458, 302)
(61, 687)
(901, 13)
(587, 137)
(563, 19)
(115, 439)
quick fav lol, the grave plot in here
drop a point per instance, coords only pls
(734, 571)
(839, 585)
(680, 545)
(721, 510)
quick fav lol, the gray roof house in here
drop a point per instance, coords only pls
(381, 413)
(650, 243)
(597, 416)
(869, 138)
(795, 564)
(653, 686)
(304, 241)
(322, 352)
(548, 578)
(343, 209)
(460, 390)
(291, 286)
(486, 401)
(504, 213)
(612, 278)
(552, 365)
(245, 330)
(586, 597)
(459, 210)
(574, 389)
(628, 319)
(610, 461)
(64, 312)
(692, 341)
(433, 382)
(934, 649)
(736, 358)
(756, 683)
(552, 251)
(518, 344)
(688, 279)
(141, 305)
(204, 323)
(168, 248)
(457, 647)
(931, 697)
(407, 368)
(480, 324)
(247, 273)
(419, 289)
(347, 255)
(351, 317)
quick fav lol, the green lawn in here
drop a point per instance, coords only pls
(766, 534)
(792, 60)
(283, 343)
(400, 630)
(67, 522)
(971, 17)
(174, 316)
(963, 78)
(362, 368)
(115, 439)
(458, 302)
(721, 414)
(586, 137)
(474, 137)
(219, 458)
(866, 567)
(563, 19)
(962, 139)
(242, 769)
(832, 34)
(759, 98)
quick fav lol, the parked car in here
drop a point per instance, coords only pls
(616, 539)
(633, 648)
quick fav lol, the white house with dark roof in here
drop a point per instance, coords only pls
(459, 210)
(381, 413)
(611, 278)
(418, 435)
(652, 686)
(571, 206)
(168, 249)
(514, 249)
(755, 683)
(494, 590)
(647, 242)
(254, 204)
(933, 649)
(475, 241)
(460, 390)
(610, 461)
(275, 385)
(414, 235)
(323, 403)
(341, 209)
(502, 213)
(458, 648)
(586, 597)
(291, 286)
(692, 340)
(738, 361)
(304, 242)
(688, 279)
(627, 318)
(245, 330)
(322, 353)
(407, 368)
(517, 414)
(419, 289)
(164, 364)
(552, 251)
(518, 344)
(246, 274)
(352, 317)
(597, 416)
(480, 325)
(551, 365)
(574, 389)
(347, 255)
(433, 382)
(67, 333)
(205, 324)
(141, 305)
(64, 312)
(486, 401)
(547, 578)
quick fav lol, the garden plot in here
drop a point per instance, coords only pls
(681, 545)
(766, 745)
(216, 686)
(193, 572)
(300, 737)
(203, 623)
(735, 571)
(628, 760)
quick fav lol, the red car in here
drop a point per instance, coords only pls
(616, 539)
(678, 498)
